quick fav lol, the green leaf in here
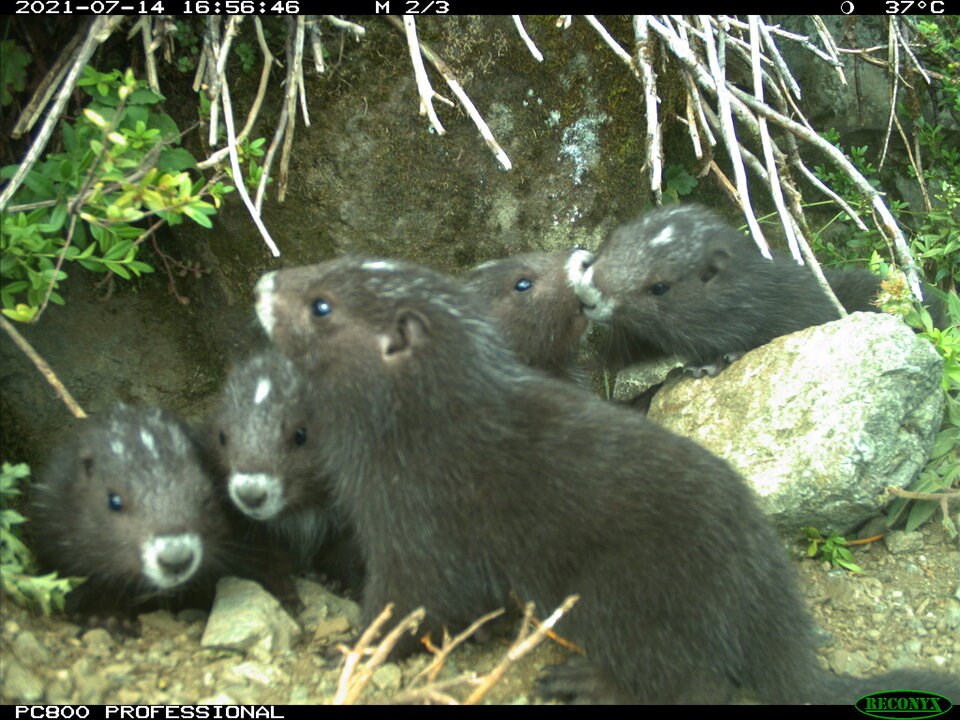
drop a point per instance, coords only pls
(175, 160)
(198, 215)
(141, 267)
(118, 250)
(117, 269)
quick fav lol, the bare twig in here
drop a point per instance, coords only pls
(894, 56)
(714, 57)
(440, 654)
(313, 30)
(537, 55)
(457, 90)
(521, 647)
(424, 88)
(99, 30)
(268, 60)
(654, 144)
(237, 173)
(829, 45)
(290, 108)
(357, 31)
(43, 367)
(355, 675)
(51, 81)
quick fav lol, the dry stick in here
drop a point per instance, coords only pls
(424, 88)
(353, 657)
(313, 30)
(358, 31)
(913, 58)
(235, 166)
(782, 69)
(894, 52)
(468, 105)
(271, 153)
(889, 224)
(693, 94)
(301, 35)
(440, 654)
(100, 30)
(219, 51)
(829, 45)
(353, 683)
(729, 133)
(643, 71)
(912, 495)
(51, 81)
(797, 162)
(268, 60)
(145, 26)
(649, 80)
(291, 112)
(212, 50)
(765, 141)
(520, 648)
(802, 40)
(72, 405)
(537, 55)
(200, 74)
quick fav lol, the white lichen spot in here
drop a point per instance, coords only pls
(581, 144)
(117, 448)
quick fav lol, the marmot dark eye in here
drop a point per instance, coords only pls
(523, 284)
(321, 308)
(114, 502)
(659, 288)
(300, 436)
(223, 439)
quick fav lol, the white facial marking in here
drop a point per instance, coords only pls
(264, 291)
(663, 237)
(117, 447)
(578, 261)
(149, 442)
(171, 560)
(379, 265)
(244, 488)
(263, 389)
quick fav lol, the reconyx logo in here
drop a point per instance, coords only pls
(899, 704)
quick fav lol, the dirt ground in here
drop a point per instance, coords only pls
(902, 611)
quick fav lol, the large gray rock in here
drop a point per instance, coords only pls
(247, 618)
(821, 421)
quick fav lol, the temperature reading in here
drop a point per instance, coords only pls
(902, 7)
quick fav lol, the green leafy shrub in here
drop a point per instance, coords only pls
(832, 549)
(46, 592)
(121, 173)
(13, 75)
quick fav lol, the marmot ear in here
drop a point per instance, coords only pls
(409, 332)
(715, 262)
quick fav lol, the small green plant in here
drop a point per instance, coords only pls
(46, 592)
(677, 182)
(13, 70)
(121, 174)
(832, 549)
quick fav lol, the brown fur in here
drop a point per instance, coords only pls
(468, 475)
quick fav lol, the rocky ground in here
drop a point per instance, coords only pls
(903, 610)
